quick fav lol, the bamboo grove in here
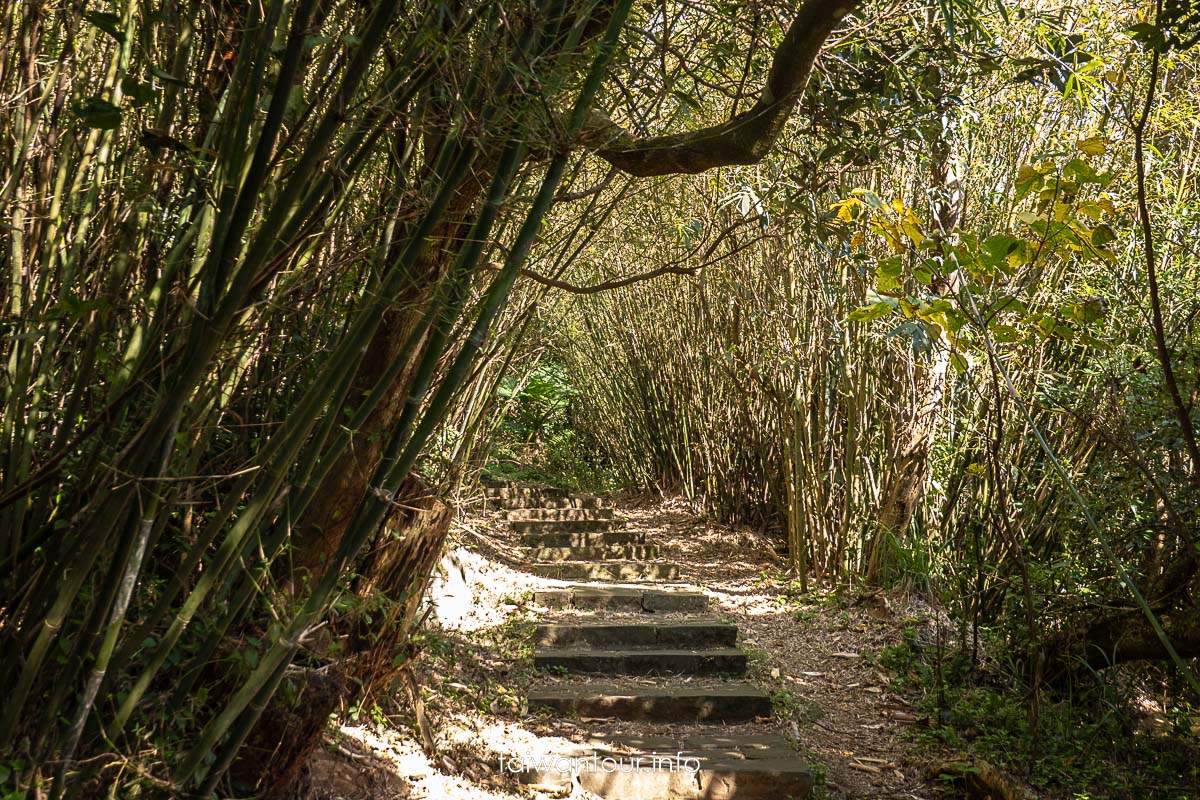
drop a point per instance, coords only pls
(831, 376)
(219, 283)
(267, 264)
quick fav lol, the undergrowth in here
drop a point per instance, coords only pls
(1093, 745)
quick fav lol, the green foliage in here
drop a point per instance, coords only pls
(935, 285)
(1090, 744)
(537, 406)
(536, 441)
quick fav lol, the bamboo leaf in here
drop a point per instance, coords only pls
(98, 113)
(109, 23)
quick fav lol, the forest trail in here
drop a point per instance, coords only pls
(774, 691)
(644, 652)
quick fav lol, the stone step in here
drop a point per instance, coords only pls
(732, 702)
(666, 634)
(744, 746)
(671, 777)
(593, 539)
(714, 661)
(525, 492)
(560, 514)
(624, 552)
(544, 526)
(531, 497)
(606, 571)
(528, 504)
(619, 598)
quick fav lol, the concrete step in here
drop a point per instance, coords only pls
(731, 702)
(544, 526)
(526, 504)
(742, 746)
(761, 767)
(670, 777)
(623, 552)
(665, 634)
(619, 598)
(532, 497)
(559, 514)
(593, 539)
(505, 492)
(712, 661)
(606, 571)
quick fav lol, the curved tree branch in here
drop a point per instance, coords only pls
(668, 269)
(607, 286)
(747, 136)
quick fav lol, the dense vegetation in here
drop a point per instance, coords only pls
(281, 276)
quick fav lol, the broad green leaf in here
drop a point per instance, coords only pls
(1088, 310)
(1005, 251)
(138, 93)
(871, 312)
(913, 231)
(1096, 344)
(97, 113)
(848, 209)
(1005, 333)
(1101, 235)
(109, 23)
(1027, 179)
(1081, 171)
(891, 267)
(869, 197)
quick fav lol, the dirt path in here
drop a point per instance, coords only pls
(816, 654)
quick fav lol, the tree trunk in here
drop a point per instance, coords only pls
(392, 582)
(906, 483)
(1075, 654)
(319, 533)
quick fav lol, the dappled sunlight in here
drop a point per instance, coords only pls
(815, 654)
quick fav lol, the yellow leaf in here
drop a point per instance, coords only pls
(898, 206)
(1093, 145)
(913, 232)
(890, 232)
(847, 210)
(857, 239)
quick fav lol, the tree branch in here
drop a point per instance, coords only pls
(607, 285)
(747, 136)
(668, 269)
(1122, 638)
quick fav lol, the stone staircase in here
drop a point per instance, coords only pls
(641, 653)
(578, 538)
